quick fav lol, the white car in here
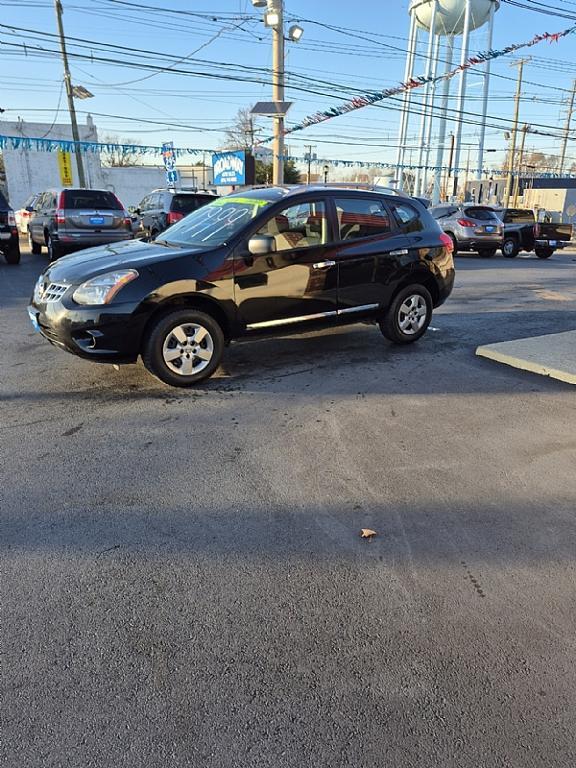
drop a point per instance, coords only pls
(24, 214)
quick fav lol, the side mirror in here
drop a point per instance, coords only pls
(29, 208)
(261, 245)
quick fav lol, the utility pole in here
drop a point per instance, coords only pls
(449, 172)
(308, 175)
(70, 94)
(519, 169)
(520, 65)
(567, 129)
(278, 88)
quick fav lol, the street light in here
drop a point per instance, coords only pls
(79, 92)
(295, 33)
(274, 20)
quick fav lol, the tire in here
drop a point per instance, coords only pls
(414, 302)
(35, 248)
(487, 253)
(510, 248)
(544, 253)
(166, 352)
(12, 255)
(54, 250)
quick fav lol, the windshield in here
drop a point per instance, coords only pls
(214, 224)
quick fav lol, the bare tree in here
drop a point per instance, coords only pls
(240, 135)
(121, 156)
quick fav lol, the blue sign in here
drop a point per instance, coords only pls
(171, 178)
(229, 168)
(168, 155)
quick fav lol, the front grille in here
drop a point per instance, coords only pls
(52, 291)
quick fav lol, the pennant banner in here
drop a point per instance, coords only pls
(65, 145)
(373, 97)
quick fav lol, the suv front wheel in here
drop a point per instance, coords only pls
(409, 315)
(184, 347)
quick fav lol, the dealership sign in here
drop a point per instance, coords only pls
(229, 168)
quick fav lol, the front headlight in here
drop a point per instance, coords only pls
(102, 289)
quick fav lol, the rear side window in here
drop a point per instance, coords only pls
(442, 212)
(188, 203)
(515, 216)
(407, 217)
(480, 214)
(358, 217)
(86, 199)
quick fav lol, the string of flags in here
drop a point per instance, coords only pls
(26, 143)
(373, 97)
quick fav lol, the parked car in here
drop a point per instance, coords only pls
(523, 233)
(9, 240)
(66, 220)
(164, 207)
(272, 258)
(24, 214)
(470, 227)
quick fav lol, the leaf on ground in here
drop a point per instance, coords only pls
(367, 533)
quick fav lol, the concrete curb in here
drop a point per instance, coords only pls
(553, 355)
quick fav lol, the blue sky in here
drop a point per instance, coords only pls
(31, 86)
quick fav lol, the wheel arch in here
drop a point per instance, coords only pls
(197, 301)
(425, 279)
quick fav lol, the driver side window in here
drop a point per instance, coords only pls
(300, 226)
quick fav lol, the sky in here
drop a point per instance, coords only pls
(346, 47)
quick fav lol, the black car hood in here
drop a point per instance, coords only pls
(82, 266)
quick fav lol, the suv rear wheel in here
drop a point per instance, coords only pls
(184, 347)
(35, 248)
(54, 250)
(12, 255)
(409, 315)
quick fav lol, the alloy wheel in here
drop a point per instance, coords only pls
(412, 314)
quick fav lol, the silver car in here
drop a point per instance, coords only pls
(471, 227)
(66, 220)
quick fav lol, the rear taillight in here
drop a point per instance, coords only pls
(447, 242)
(466, 223)
(11, 219)
(60, 216)
(173, 217)
(128, 222)
(536, 230)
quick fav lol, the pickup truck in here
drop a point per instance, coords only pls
(523, 233)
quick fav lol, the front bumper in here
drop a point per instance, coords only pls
(103, 334)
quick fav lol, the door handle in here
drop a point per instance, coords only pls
(324, 264)
(400, 252)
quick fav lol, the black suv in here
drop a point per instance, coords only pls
(9, 240)
(271, 258)
(164, 207)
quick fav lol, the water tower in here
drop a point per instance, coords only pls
(439, 23)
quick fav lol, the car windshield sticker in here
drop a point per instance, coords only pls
(242, 201)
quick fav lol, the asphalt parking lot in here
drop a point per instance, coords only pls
(183, 579)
